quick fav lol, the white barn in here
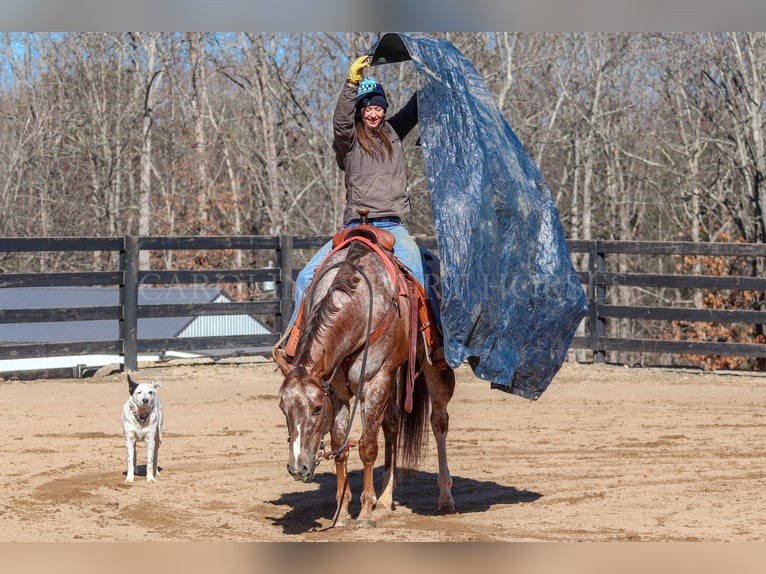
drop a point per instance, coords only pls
(106, 330)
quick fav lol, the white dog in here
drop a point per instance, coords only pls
(142, 420)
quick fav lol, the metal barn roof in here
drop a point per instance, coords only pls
(104, 330)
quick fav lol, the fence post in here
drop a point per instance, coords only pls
(129, 303)
(597, 296)
(285, 264)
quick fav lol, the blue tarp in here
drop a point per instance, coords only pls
(511, 299)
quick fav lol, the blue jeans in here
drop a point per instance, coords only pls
(405, 249)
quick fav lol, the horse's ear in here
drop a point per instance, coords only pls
(282, 361)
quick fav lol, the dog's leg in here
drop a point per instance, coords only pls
(151, 463)
(130, 446)
(157, 443)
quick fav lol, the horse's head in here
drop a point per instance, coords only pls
(305, 401)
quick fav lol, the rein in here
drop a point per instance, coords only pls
(326, 385)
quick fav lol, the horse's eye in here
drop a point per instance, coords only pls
(317, 410)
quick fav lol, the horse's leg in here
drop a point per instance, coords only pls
(368, 452)
(373, 412)
(343, 490)
(441, 386)
(391, 435)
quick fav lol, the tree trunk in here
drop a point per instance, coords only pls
(145, 161)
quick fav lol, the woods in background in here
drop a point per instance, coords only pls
(640, 136)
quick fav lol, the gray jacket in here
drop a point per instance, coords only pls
(377, 185)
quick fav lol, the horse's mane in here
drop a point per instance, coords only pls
(322, 314)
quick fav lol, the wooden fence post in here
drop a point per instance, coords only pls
(596, 296)
(285, 264)
(129, 303)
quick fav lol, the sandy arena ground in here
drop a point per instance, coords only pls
(607, 453)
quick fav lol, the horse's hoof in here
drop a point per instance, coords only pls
(341, 523)
(447, 509)
(384, 510)
(369, 523)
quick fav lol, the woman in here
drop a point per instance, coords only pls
(368, 148)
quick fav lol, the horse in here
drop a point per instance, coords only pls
(354, 348)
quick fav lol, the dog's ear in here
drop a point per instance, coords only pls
(156, 384)
(131, 385)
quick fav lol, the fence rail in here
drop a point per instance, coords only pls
(597, 280)
(596, 276)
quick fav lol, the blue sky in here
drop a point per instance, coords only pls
(346, 15)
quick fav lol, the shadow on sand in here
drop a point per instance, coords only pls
(417, 491)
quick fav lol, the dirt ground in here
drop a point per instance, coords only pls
(607, 453)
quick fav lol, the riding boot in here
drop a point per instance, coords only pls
(432, 336)
(438, 361)
(437, 358)
(434, 343)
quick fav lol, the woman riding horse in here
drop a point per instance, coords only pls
(357, 339)
(368, 148)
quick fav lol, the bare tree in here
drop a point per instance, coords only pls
(197, 56)
(145, 48)
(639, 135)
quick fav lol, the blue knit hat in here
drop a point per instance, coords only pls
(370, 93)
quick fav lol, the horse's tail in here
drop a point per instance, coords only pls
(413, 426)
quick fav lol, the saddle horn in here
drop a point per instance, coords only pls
(363, 214)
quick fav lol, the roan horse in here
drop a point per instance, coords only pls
(354, 349)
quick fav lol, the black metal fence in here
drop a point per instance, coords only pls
(597, 276)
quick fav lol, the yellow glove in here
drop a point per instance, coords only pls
(355, 73)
